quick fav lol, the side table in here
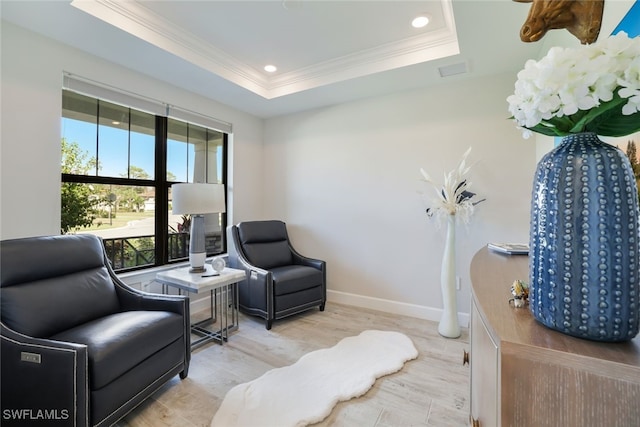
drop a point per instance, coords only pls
(223, 287)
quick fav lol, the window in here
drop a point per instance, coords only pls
(118, 165)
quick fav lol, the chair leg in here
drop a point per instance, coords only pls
(184, 373)
(269, 322)
(322, 307)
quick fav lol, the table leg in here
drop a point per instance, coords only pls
(223, 308)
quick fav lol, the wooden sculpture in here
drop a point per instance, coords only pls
(582, 18)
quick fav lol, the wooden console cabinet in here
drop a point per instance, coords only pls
(525, 374)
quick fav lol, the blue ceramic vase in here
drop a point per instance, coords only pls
(584, 258)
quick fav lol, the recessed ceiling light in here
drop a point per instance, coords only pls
(291, 4)
(420, 21)
(270, 68)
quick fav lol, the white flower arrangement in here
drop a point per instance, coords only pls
(590, 88)
(452, 198)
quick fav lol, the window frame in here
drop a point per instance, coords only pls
(159, 182)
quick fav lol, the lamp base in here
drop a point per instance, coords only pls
(196, 262)
(197, 252)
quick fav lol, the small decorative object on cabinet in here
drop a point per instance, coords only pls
(585, 220)
(524, 374)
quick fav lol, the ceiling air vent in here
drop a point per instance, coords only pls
(452, 70)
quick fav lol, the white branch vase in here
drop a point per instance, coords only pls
(449, 326)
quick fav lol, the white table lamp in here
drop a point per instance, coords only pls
(196, 200)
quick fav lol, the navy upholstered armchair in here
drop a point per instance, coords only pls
(279, 281)
(79, 347)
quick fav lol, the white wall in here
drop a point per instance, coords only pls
(346, 180)
(32, 71)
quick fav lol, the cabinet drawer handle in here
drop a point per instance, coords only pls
(465, 357)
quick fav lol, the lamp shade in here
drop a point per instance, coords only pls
(197, 198)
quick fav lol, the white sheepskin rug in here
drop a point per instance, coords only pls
(306, 392)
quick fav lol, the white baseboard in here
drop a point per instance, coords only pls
(394, 307)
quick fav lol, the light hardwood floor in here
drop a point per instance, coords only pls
(432, 390)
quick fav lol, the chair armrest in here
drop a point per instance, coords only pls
(133, 299)
(43, 379)
(257, 286)
(238, 260)
(254, 276)
(258, 283)
(300, 259)
(310, 262)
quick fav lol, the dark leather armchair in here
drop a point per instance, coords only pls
(79, 347)
(280, 282)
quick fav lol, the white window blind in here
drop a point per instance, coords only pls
(198, 119)
(140, 102)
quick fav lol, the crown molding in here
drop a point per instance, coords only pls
(371, 61)
(138, 20)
